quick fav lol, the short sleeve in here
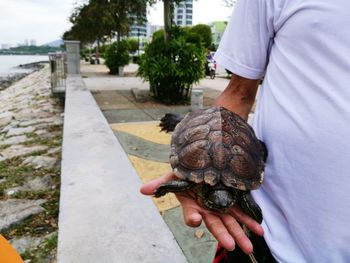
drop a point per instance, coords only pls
(247, 39)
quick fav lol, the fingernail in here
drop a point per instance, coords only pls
(196, 218)
(231, 249)
(230, 243)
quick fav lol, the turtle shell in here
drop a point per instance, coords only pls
(215, 146)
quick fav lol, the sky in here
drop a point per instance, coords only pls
(46, 20)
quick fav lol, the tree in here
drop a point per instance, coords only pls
(126, 12)
(168, 13)
(99, 18)
(204, 32)
(91, 23)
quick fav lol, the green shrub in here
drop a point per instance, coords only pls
(133, 45)
(204, 32)
(117, 55)
(172, 67)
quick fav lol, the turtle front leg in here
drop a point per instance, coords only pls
(249, 206)
(173, 187)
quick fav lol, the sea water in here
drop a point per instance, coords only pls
(9, 63)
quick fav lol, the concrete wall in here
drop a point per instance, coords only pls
(103, 217)
(73, 56)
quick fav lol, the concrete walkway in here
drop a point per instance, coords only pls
(135, 124)
(103, 217)
(97, 78)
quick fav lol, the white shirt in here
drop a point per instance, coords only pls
(303, 116)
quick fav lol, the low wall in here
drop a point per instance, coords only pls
(103, 217)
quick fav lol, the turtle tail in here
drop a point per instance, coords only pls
(169, 122)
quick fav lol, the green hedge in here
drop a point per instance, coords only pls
(173, 67)
(117, 55)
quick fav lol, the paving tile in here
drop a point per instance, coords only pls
(157, 114)
(109, 100)
(126, 115)
(142, 148)
(146, 130)
(197, 250)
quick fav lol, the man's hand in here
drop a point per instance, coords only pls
(224, 227)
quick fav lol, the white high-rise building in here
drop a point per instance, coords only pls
(183, 13)
(5, 46)
(32, 42)
(138, 29)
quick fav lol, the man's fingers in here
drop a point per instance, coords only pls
(150, 187)
(219, 230)
(250, 223)
(237, 233)
(191, 210)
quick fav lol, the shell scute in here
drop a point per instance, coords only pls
(221, 155)
(217, 146)
(211, 176)
(195, 155)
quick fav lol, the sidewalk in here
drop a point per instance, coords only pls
(135, 124)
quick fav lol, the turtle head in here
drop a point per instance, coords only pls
(219, 200)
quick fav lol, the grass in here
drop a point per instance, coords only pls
(16, 175)
(3, 147)
(45, 251)
(46, 222)
(34, 139)
(40, 224)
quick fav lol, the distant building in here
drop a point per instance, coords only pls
(138, 29)
(152, 28)
(183, 13)
(32, 42)
(5, 46)
(217, 30)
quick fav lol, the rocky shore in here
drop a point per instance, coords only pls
(8, 80)
(31, 122)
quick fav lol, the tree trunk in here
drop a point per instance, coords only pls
(98, 49)
(167, 19)
(118, 36)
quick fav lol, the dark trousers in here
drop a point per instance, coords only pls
(261, 253)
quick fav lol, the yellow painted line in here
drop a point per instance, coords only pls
(7, 253)
(148, 170)
(146, 130)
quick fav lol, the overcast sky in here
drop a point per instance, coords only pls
(46, 20)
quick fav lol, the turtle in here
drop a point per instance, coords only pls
(216, 154)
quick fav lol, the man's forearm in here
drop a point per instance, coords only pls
(239, 96)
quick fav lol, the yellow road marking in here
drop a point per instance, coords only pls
(146, 130)
(148, 170)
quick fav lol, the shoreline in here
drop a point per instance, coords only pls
(31, 127)
(10, 79)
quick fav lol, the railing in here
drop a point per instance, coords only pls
(58, 67)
